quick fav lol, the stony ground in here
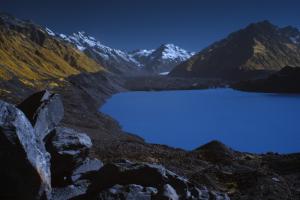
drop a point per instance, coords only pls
(240, 175)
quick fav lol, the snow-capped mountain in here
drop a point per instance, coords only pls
(139, 62)
(114, 60)
(163, 59)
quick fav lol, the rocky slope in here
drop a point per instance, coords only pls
(287, 80)
(44, 161)
(213, 167)
(252, 52)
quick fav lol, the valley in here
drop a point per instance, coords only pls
(85, 74)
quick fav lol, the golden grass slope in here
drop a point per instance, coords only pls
(29, 61)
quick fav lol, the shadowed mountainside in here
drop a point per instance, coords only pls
(287, 80)
(255, 51)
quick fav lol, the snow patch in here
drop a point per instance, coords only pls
(172, 52)
(50, 32)
(295, 39)
(143, 52)
(164, 73)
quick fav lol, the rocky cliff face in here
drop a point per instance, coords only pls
(256, 50)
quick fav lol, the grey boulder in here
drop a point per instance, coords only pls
(70, 191)
(127, 192)
(68, 149)
(88, 166)
(24, 169)
(44, 110)
(168, 184)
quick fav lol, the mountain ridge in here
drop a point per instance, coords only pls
(260, 46)
(28, 53)
(153, 61)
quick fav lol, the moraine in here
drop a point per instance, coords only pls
(252, 122)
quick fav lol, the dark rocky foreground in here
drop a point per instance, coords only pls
(121, 165)
(42, 160)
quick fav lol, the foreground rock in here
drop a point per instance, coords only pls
(213, 170)
(70, 191)
(24, 169)
(44, 110)
(68, 149)
(149, 181)
(128, 192)
(87, 166)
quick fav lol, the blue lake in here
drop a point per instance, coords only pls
(252, 122)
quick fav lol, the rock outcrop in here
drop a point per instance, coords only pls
(149, 181)
(128, 192)
(68, 149)
(25, 167)
(44, 111)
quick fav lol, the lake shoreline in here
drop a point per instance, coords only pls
(214, 165)
(264, 168)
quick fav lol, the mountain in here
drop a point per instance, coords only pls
(31, 53)
(256, 50)
(113, 60)
(138, 62)
(163, 59)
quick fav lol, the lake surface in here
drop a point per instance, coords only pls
(252, 122)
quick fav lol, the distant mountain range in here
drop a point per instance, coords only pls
(252, 52)
(154, 61)
(32, 52)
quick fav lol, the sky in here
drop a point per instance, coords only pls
(146, 24)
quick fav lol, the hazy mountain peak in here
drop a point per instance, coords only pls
(162, 59)
(171, 51)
